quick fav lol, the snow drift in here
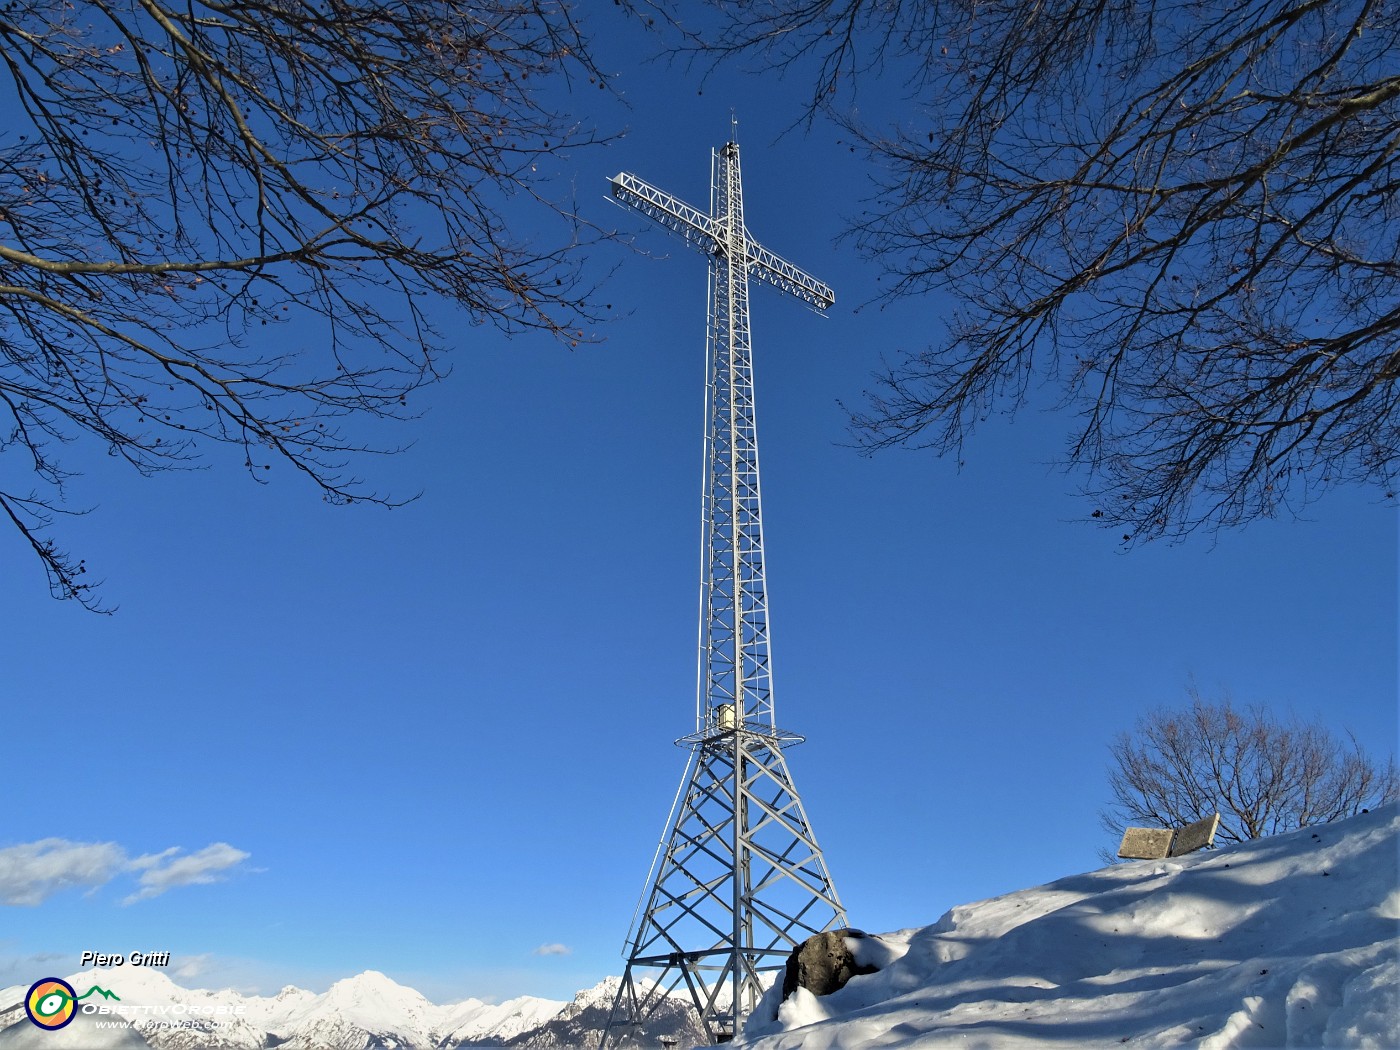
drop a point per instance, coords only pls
(1288, 941)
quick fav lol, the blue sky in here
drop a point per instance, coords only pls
(442, 734)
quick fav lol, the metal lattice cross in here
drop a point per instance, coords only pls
(740, 879)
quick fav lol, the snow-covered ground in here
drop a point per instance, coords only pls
(1289, 941)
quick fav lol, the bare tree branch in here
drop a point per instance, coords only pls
(1179, 216)
(183, 186)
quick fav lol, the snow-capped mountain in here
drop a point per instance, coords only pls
(366, 1012)
(673, 1023)
(472, 1022)
(273, 1013)
(1289, 941)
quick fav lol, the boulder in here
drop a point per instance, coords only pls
(823, 963)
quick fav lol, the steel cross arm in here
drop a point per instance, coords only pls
(707, 234)
(672, 212)
(780, 273)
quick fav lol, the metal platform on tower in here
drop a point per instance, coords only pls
(740, 879)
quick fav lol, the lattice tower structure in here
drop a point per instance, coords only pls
(739, 879)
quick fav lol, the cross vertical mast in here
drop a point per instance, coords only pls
(736, 627)
(740, 880)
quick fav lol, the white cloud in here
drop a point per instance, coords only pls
(32, 872)
(554, 949)
(189, 967)
(163, 871)
(150, 860)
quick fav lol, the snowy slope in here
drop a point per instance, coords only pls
(1288, 941)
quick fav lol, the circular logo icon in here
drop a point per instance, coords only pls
(51, 1002)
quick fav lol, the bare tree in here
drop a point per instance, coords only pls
(221, 221)
(1179, 216)
(1264, 775)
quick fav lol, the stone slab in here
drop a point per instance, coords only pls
(1145, 843)
(1195, 836)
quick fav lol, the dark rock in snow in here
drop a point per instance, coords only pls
(823, 963)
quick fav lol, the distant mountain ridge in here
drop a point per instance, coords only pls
(366, 1012)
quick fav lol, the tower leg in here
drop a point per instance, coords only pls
(740, 883)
